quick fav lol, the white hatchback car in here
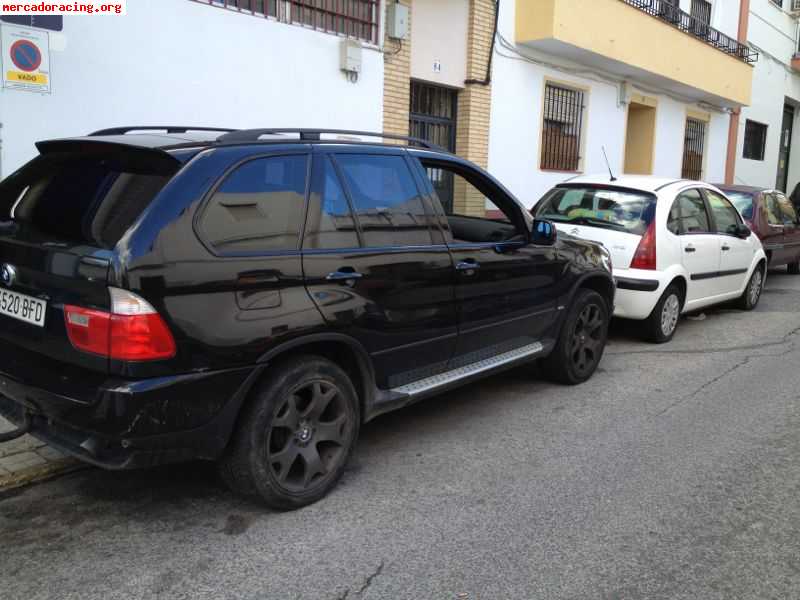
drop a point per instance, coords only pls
(676, 245)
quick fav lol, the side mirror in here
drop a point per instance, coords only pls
(742, 231)
(543, 232)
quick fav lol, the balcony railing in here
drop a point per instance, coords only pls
(669, 13)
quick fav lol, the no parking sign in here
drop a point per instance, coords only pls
(26, 60)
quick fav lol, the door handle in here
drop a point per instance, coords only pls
(726, 248)
(690, 249)
(468, 266)
(346, 274)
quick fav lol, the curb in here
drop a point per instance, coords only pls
(39, 473)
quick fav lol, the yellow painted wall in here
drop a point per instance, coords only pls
(640, 139)
(621, 32)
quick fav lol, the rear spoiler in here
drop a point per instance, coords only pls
(131, 155)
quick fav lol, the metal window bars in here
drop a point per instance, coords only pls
(695, 25)
(562, 128)
(693, 146)
(352, 18)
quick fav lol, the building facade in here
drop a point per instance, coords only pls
(199, 62)
(651, 84)
(768, 146)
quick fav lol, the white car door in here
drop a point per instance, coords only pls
(700, 248)
(736, 254)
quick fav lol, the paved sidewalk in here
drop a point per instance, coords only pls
(26, 460)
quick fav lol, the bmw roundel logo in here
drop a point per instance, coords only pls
(8, 275)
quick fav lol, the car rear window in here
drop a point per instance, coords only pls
(84, 199)
(624, 210)
(743, 203)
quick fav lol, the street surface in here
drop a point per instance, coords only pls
(674, 473)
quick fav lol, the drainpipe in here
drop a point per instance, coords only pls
(733, 127)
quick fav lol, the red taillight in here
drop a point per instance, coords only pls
(645, 255)
(132, 331)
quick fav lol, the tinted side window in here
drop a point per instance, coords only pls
(385, 198)
(330, 220)
(773, 211)
(787, 212)
(259, 207)
(694, 218)
(674, 219)
(725, 216)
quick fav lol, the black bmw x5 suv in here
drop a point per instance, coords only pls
(254, 296)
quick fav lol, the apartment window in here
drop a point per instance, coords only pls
(562, 128)
(778, 3)
(352, 18)
(258, 7)
(755, 140)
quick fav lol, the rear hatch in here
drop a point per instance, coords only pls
(61, 216)
(617, 218)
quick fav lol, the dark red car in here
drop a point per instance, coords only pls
(773, 218)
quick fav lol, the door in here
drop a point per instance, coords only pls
(506, 288)
(772, 239)
(432, 118)
(372, 266)
(700, 247)
(736, 254)
(785, 148)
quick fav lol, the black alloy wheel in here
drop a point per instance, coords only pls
(308, 436)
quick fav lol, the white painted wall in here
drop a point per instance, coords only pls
(774, 33)
(439, 34)
(186, 63)
(514, 141)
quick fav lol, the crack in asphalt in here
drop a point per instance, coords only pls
(370, 578)
(746, 360)
(772, 344)
(367, 582)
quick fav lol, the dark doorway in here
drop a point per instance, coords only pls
(433, 118)
(785, 148)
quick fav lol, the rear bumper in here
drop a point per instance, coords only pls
(133, 424)
(637, 292)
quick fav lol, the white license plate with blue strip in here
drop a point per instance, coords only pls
(22, 307)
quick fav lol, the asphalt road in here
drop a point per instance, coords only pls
(674, 473)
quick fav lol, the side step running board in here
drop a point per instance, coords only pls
(443, 379)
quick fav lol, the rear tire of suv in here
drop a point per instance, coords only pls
(793, 268)
(296, 435)
(752, 293)
(581, 341)
(662, 323)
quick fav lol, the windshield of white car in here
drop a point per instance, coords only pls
(623, 210)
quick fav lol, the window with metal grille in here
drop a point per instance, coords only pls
(693, 146)
(352, 18)
(755, 140)
(562, 127)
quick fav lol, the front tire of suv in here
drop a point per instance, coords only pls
(793, 268)
(296, 435)
(662, 323)
(581, 341)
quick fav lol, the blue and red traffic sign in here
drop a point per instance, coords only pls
(26, 55)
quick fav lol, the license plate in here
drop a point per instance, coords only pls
(22, 307)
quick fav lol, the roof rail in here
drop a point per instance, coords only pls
(252, 135)
(167, 128)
